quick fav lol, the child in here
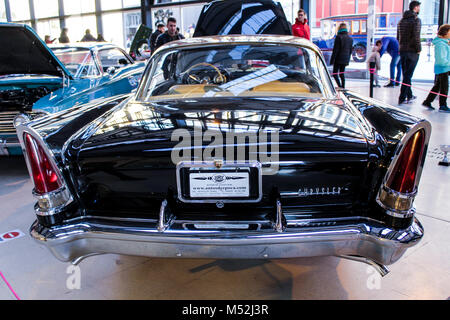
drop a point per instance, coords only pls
(375, 57)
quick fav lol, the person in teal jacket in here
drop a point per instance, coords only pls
(441, 69)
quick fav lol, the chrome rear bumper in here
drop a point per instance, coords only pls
(90, 236)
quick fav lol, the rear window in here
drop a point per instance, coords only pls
(234, 70)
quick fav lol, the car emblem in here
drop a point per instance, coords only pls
(218, 178)
(220, 204)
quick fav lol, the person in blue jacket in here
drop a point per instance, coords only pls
(441, 69)
(391, 46)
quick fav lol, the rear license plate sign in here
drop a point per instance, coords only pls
(219, 185)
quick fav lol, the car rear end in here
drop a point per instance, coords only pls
(211, 170)
(127, 196)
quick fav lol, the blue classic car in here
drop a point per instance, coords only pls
(36, 80)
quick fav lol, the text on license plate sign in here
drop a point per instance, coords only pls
(219, 185)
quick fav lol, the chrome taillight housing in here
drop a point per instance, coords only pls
(44, 173)
(399, 187)
(49, 186)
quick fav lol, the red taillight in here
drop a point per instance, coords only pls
(45, 175)
(403, 177)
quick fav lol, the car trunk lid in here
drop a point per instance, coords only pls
(314, 155)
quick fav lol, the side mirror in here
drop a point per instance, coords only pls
(111, 70)
(123, 61)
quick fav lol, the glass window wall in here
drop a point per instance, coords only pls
(2, 12)
(78, 6)
(113, 28)
(77, 26)
(111, 4)
(131, 3)
(169, 1)
(132, 21)
(186, 17)
(290, 8)
(20, 10)
(46, 8)
(189, 17)
(48, 27)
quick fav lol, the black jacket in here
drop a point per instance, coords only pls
(88, 38)
(408, 32)
(152, 42)
(342, 50)
(165, 37)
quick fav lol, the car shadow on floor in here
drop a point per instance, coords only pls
(281, 279)
(297, 278)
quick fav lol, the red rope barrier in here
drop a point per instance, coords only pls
(9, 286)
(408, 85)
(392, 80)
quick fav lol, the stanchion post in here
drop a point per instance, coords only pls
(371, 70)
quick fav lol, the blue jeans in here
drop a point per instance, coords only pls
(395, 63)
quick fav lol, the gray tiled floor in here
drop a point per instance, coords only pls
(423, 273)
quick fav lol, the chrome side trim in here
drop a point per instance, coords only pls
(211, 165)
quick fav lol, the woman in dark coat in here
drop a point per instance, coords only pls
(63, 38)
(342, 51)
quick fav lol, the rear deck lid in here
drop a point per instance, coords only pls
(23, 52)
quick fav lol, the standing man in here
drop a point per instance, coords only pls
(391, 46)
(300, 27)
(170, 35)
(160, 28)
(408, 35)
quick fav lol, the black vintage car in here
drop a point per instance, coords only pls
(232, 147)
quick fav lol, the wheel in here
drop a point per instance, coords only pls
(359, 53)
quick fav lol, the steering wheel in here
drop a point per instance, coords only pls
(191, 77)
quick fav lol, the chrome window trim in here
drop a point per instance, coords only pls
(211, 165)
